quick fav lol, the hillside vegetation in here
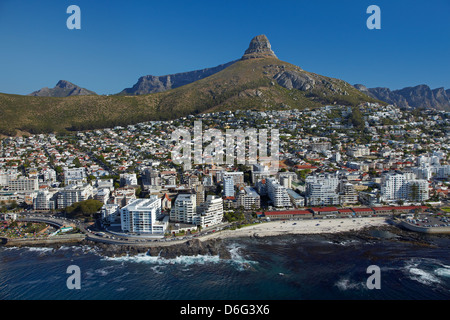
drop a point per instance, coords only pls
(262, 83)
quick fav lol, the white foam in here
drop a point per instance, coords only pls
(442, 272)
(237, 259)
(423, 276)
(346, 284)
(39, 249)
(183, 260)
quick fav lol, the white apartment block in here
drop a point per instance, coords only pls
(74, 193)
(286, 179)
(248, 198)
(45, 200)
(260, 172)
(184, 209)
(322, 190)
(111, 213)
(128, 179)
(7, 175)
(140, 216)
(400, 186)
(393, 186)
(358, 151)
(296, 199)
(75, 176)
(277, 193)
(102, 195)
(23, 185)
(211, 212)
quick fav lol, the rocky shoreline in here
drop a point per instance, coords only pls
(218, 246)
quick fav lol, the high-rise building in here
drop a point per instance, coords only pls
(393, 186)
(141, 216)
(45, 200)
(184, 209)
(401, 186)
(110, 213)
(322, 189)
(74, 193)
(210, 212)
(248, 198)
(277, 193)
(228, 186)
(23, 185)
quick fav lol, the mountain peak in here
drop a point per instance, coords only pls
(62, 89)
(259, 48)
(65, 84)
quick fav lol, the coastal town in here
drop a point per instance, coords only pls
(333, 162)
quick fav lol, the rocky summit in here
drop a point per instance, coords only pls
(62, 89)
(259, 48)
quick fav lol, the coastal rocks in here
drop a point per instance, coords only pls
(213, 247)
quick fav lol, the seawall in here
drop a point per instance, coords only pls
(430, 230)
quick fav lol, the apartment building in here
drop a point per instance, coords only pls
(322, 189)
(23, 185)
(277, 193)
(210, 212)
(75, 176)
(248, 198)
(184, 209)
(45, 200)
(141, 216)
(402, 186)
(228, 186)
(74, 193)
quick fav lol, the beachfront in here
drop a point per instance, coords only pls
(276, 228)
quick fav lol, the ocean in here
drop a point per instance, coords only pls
(295, 267)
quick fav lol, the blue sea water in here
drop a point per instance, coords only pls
(275, 268)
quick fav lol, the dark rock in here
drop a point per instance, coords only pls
(153, 84)
(295, 80)
(259, 48)
(213, 247)
(420, 96)
(62, 89)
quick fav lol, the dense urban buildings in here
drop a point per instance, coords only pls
(393, 157)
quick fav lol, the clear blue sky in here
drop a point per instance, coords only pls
(120, 41)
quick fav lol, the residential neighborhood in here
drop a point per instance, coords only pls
(336, 156)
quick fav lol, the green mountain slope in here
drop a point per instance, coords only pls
(258, 81)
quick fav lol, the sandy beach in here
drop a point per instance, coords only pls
(276, 228)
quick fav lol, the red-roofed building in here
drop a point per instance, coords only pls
(363, 211)
(288, 214)
(345, 211)
(325, 210)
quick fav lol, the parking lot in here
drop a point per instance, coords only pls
(430, 221)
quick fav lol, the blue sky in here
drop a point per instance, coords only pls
(120, 41)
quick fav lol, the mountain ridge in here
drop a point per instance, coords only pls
(258, 80)
(420, 96)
